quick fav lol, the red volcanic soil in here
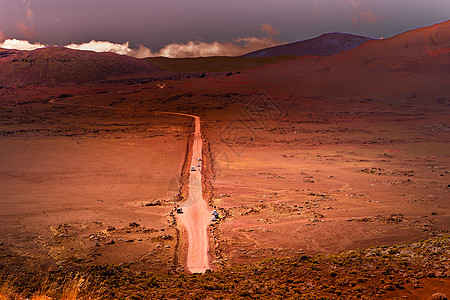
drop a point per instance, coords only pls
(85, 184)
(57, 65)
(312, 155)
(323, 160)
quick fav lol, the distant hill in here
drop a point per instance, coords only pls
(421, 50)
(323, 45)
(424, 49)
(58, 65)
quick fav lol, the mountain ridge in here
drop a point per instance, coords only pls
(57, 65)
(323, 45)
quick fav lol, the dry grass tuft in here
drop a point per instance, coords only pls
(7, 291)
(41, 297)
(72, 288)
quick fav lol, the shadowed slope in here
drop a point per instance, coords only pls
(421, 50)
(324, 45)
(57, 65)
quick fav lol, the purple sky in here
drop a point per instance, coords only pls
(156, 23)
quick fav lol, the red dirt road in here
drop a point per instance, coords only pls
(196, 214)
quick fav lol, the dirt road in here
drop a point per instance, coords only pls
(196, 216)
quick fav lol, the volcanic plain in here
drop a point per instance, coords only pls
(305, 156)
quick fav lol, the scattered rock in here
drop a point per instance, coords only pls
(153, 203)
(380, 171)
(439, 296)
(134, 225)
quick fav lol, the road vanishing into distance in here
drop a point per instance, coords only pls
(196, 215)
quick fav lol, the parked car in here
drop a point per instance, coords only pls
(192, 168)
(179, 210)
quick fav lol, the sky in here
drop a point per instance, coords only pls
(182, 28)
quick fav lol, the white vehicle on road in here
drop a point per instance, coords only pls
(215, 216)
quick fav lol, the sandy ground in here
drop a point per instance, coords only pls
(304, 167)
(328, 198)
(312, 156)
(95, 187)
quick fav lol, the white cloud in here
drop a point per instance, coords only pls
(20, 45)
(198, 49)
(238, 46)
(235, 47)
(101, 46)
(105, 46)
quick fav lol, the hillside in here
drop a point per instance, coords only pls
(57, 65)
(423, 50)
(215, 63)
(323, 45)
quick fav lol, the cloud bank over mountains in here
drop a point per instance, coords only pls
(237, 46)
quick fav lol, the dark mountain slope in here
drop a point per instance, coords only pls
(324, 45)
(57, 65)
